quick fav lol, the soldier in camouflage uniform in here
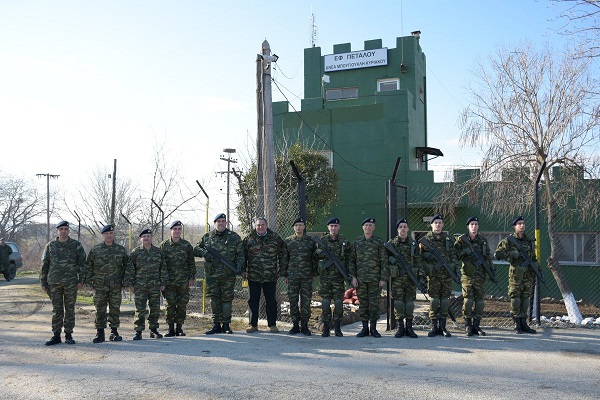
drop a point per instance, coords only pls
(265, 256)
(299, 273)
(439, 280)
(62, 274)
(404, 290)
(473, 277)
(369, 272)
(181, 269)
(106, 264)
(520, 278)
(332, 281)
(220, 280)
(5, 252)
(147, 275)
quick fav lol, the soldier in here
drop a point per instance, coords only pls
(470, 248)
(62, 274)
(332, 281)
(404, 290)
(265, 256)
(520, 278)
(147, 275)
(439, 279)
(369, 272)
(181, 269)
(106, 264)
(299, 273)
(5, 252)
(220, 279)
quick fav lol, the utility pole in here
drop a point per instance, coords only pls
(114, 194)
(48, 176)
(207, 203)
(228, 172)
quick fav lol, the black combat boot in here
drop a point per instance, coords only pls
(517, 327)
(69, 338)
(400, 331)
(443, 328)
(154, 333)
(171, 331)
(216, 328)
(337, 328)
(469, 326)
(295, 328)
(114, 335)
(138, 335)
(408, 330)
(54, 340)
(326, 329)
(99, 336)
(365, 330)
(227, 328)
(373, 330)
(305, 329)
(524, 327)
(476, 328)
(179, 330)
(434, 328)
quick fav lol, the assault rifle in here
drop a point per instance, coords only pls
(528, 261)
(440, 259)
(480, 261)
(406, 267)
(215, 254)
(332, 259)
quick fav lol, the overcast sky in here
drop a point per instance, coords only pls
(85, 82)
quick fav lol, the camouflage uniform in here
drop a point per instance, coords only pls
(146, 272)
(265, 256)
(63, 267)
(369, 264)
(105, 269)
(473, 278)
(300, 269)
(220, 280)
(404, 290)
(181, 269)
(5, 252)
(332, 281)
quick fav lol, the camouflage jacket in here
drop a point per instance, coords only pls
(265, 256)
(63, 263)
(468, 258)
(229, 244)
(301, 260)
(5, 252)
(369, 260)
(340, 247)
(509, 252)
(106, 264)
(179, 261)
(146, 268)
(445, 247)
(410, 252)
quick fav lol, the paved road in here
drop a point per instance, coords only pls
(557, 364)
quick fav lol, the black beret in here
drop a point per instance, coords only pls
(371, 220)
(437, 216)
(519, 218)
(145, 232)
(175, 223)
(1, 239)
(107, 228)
(219, 216)
(299, 219)
(403, 220)
(62, 223)
(471, 219)
(333, 220)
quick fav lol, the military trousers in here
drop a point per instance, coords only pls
(473, 291)
(333, 287)
(146, 297)
(63, 306)
(439, 288)
(269, 290)
(299, 296)
(220, 291)
(520, 286)
(108, 296)
(177, 297)
(404, 293)
(368, 294)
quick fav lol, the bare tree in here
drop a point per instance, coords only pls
(582, 20)
(530, 106)
(20, 204)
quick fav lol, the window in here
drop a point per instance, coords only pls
(493, 238)
(385, 85)
(578, 248)
(341, 93)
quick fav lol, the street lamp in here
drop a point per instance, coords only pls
(48, 176)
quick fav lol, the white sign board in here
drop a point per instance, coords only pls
(356, 59)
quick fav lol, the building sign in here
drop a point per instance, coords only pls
(356, 59)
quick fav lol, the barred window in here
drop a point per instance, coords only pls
(578, 248)
(341, 93)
